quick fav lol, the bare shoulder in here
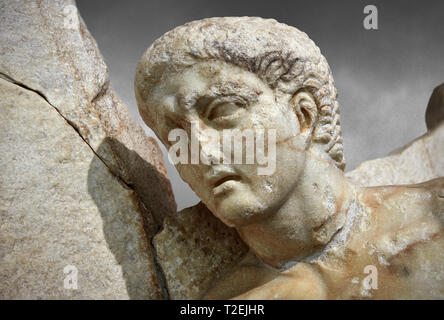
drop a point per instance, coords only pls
(406, 201)
(399, 217)
(399, 233)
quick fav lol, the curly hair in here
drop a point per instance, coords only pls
(281, 55)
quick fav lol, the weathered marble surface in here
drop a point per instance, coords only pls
(80, 182)
(332, 225)
(64, 65)
(402, 255)
(193, 249)
(418, 161)
(61, 206)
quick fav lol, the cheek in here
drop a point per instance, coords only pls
(287, 125)
(270, 114)
(288, 146)
(289, 165)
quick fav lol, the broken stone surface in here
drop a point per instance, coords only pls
(81, 184)
(64, 65)
(61, 206)
(90, 191)
(418, 161)
(193, 249)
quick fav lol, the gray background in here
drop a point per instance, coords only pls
(384, 77)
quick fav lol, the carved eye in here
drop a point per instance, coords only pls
(225, 110)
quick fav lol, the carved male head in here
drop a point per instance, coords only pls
(238, 73)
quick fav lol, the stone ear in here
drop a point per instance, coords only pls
(306, 110)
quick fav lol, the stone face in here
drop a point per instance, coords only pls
(283, 57)
(193, 249)
(60, 206)
(311, 232)
(419, 161)
(81, 184)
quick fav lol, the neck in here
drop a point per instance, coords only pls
(314, 211)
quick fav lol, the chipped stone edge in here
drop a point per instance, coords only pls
(160, 276)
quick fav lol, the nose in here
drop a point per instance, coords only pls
(210, 146)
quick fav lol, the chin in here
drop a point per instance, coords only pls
(239, 209)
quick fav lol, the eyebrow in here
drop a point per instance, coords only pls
(225, 89)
